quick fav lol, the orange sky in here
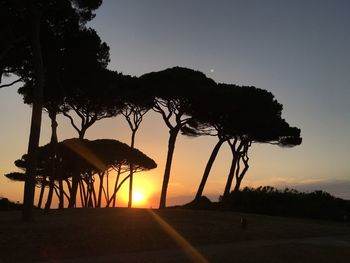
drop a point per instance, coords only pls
(298, 50)
(189, 160)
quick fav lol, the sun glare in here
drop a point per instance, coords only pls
(142, 194)
(138, 197)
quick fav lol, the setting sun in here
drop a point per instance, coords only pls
(143, 192)
(138, 197)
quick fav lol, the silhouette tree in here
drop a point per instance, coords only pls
(174, 90)
(259, 121)
(86, 81)
(65, 62)
(46, 19)
(133, 102)
(95, 157)
(240, 116)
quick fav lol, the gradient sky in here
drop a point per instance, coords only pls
(298, 50)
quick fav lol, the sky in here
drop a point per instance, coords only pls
(298, 50)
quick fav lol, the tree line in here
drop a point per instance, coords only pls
(62, 67)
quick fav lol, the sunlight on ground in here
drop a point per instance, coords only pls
(186, 247)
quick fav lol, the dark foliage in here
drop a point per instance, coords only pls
(6, 204)
(201, 203)
(289, 202)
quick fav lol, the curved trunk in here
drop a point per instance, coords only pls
(239, 154)
(240, 176)
(29, 186)
(116, 189)
(208, 167)
(171, 148)
(235, 160)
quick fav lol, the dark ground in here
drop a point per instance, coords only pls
(122, 235)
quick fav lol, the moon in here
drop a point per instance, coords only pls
(211, 70)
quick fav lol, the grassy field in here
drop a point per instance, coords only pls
(89, 233)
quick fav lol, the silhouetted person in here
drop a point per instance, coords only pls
(243, 223)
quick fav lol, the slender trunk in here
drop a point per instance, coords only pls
(171, 148)
(61, 196)
(107, 190)
(131, 169)
(53, 146)
(94, 196)
(49, 196)
(230, 176)
(101, 175)
(73, 195)
(238, 184)
(81, 195)
(113, 197)
(42, 190)
(210, 162)
(29, 186)
(236, 155)
(117, 189)
(85, 193)
(69, 186)
(91, 192)
(76, 180)
(239, 153)
(240, 176)
(82, 133)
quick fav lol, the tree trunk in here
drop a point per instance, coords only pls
(94, 196)
(230, 177)
(73, 193)
(240, 176)
(82, 195)
(99, 197)
(29, 186)
(42, 190)
(171, 148)
(61, 196)
(235, 160)
(133, 133)
(117, 189)
(49, 196)
(113, 197)
(69, 186)
(53, 146)
(208, 167)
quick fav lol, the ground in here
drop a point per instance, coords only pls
(172, 235)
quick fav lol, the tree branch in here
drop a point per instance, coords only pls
(166, 117)
(71, 121)
(12, 83)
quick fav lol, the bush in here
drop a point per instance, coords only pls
(6, 204)
(289, 202)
